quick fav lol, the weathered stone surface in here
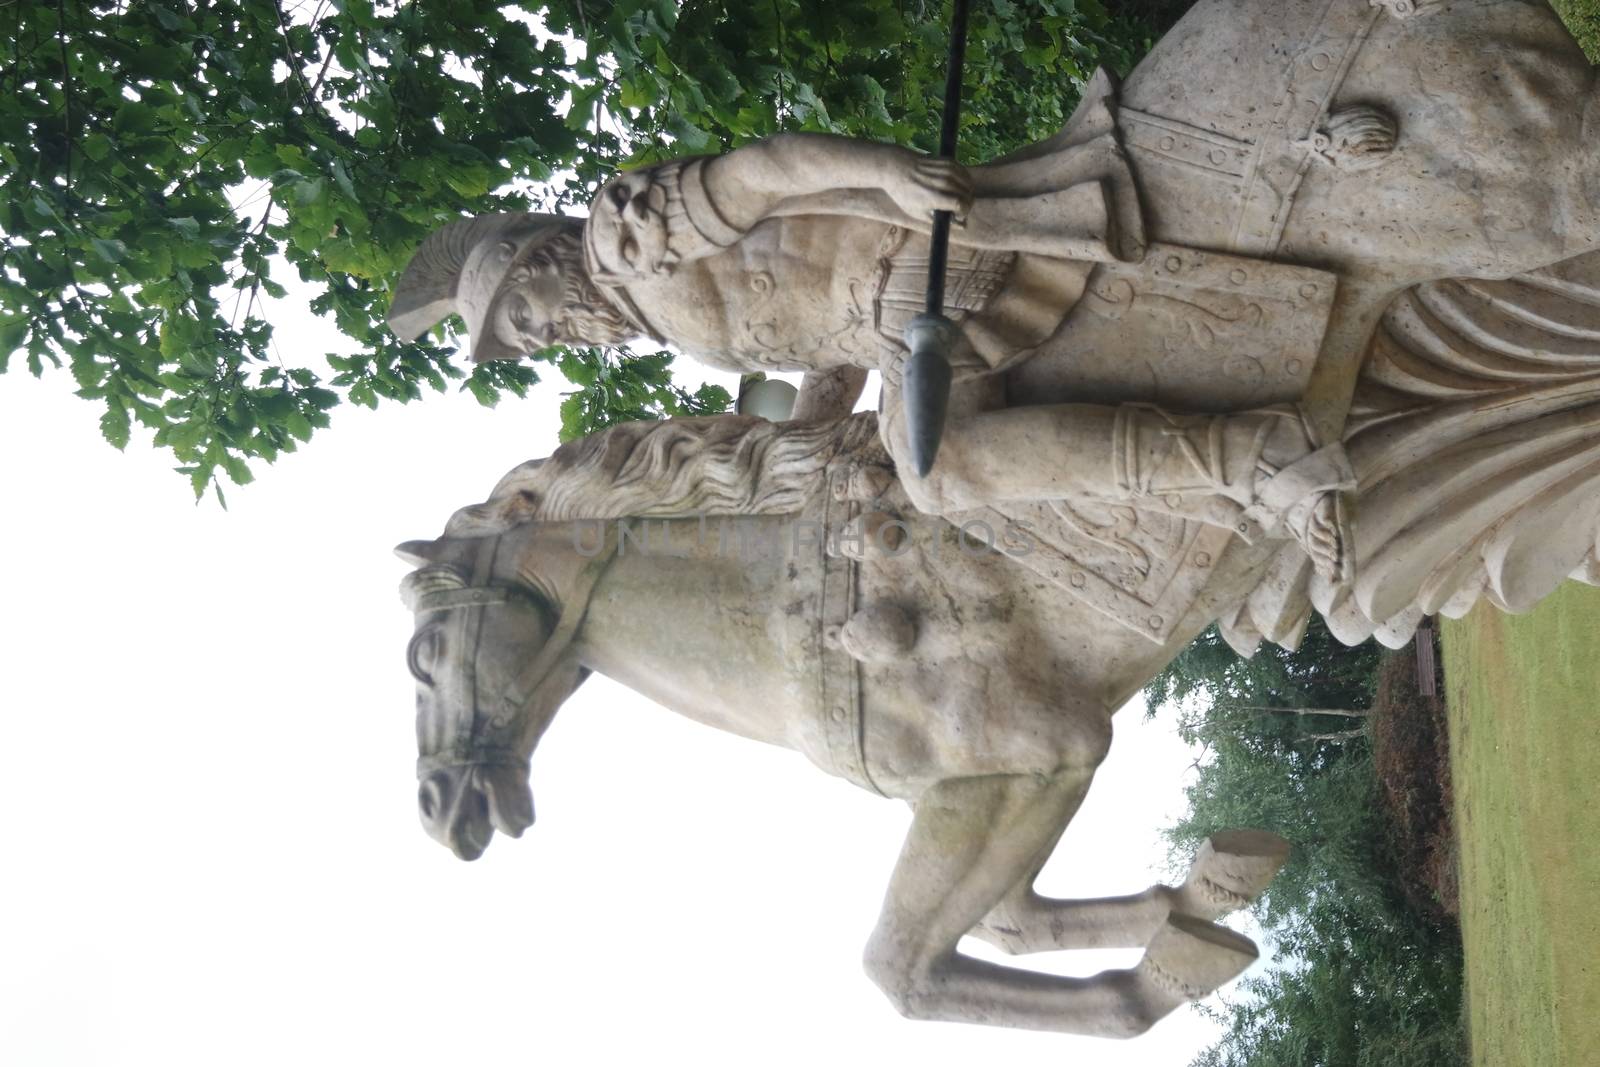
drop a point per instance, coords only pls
(1304, 317)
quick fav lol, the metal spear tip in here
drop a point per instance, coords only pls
(925, 394)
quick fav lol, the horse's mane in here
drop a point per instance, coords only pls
(717, 465)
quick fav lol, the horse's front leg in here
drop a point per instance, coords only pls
(1230, 870)
(971, 841)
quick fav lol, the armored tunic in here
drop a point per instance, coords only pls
(832, 278)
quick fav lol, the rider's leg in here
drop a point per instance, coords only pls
(971, 840)
(1255, 471)
(1061, 451)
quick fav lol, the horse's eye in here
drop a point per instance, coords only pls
(420, 654)
(619, 195)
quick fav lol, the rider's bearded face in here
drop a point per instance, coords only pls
(549, 300)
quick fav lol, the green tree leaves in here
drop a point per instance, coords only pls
(158, 158)
(612, 390)
(1363, 978)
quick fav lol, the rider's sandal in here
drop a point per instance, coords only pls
(1306, 501)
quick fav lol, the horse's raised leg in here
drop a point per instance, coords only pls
(1229, 871)
(971, 841)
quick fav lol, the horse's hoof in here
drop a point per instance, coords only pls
(1189, 959)
(1231, 868)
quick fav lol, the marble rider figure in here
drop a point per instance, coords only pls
(753, 260)
(1382, 156)
(1304, 317)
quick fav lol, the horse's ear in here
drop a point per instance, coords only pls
(422, 553)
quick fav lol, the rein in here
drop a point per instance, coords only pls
(481, 596)
(532, 680)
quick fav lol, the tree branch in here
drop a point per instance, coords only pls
(66, 83)
(255, 286)
(326, 63)
(783, 59)
(1345, 713)
(1342, 735)
(294, 61)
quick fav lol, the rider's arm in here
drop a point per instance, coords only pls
(748, 184)
(649, 220)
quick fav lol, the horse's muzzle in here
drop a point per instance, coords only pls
(461, 806)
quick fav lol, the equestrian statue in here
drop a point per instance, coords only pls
(1302, 317)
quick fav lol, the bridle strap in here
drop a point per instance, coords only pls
(539, 673)
(472, 597)
(575, 606)
(485, 757)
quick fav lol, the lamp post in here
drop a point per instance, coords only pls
(770, 398)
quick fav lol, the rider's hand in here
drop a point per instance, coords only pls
(920, 185)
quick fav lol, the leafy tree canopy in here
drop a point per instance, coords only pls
(1322, 672)
(160, 157)
(1363, 977)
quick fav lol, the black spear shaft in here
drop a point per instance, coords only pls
(930, 336)
(947, 150)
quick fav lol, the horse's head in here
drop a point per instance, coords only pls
(492, 662)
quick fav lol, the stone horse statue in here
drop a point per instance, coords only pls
(699, 561)
(1304, 317)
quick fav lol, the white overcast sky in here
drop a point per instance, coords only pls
(213, 852)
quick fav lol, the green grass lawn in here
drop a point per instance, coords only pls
(1525, 758)
(1583, 19)
(1524, 698)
